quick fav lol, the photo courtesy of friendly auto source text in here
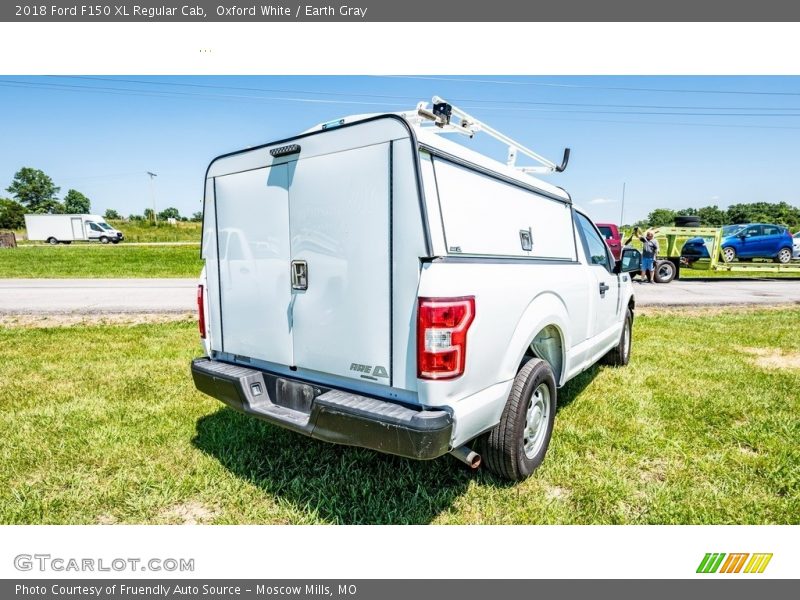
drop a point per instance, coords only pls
(236, 290)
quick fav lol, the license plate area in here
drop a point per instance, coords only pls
(295, 395)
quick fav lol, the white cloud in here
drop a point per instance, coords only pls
(602, 201)
(715, 197)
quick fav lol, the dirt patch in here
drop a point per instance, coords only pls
(748, 450)
(774, 358)
(35, 321)
(188, 513)
(106, 520)
(554, 492)
(653, 470)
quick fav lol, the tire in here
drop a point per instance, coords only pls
(784, 256)
(115, 241)
(687, 221)
(664, 271)
(729, 253)
(68, 242)
(513, 449)
(620, 355)
(52, 241)
(104, 239)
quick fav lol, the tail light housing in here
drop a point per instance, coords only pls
(442, 325)
(201, 312)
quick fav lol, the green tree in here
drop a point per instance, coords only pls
(197, 217)
(661, 217)
(35, 191)
(712, 216)
(135, 218)
(169, 213)
(12, 214)
(111, 214)
(76, 203)
(149, 215)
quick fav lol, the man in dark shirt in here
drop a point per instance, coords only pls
(649, 253)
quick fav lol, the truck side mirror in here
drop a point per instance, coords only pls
(629, 262)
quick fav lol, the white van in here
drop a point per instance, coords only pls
(371, 283)
(65, 229)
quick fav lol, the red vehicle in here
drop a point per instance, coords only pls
(613, 238)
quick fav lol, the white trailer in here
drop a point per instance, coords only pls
(65, 229)
(371, 283)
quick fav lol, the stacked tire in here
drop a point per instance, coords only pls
(687, 221)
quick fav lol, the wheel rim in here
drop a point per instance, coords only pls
(784, 256)
(665, 270)
(536, 420)
(729, 254)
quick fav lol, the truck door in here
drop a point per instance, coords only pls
(77, 228)
(252, 213)
(604, 298)
(341, 266)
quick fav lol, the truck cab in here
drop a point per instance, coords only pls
(371, 283)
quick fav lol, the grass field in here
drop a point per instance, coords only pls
(100, 423)
(100, 261)
(140, 231)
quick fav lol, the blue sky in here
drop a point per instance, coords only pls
(674, 141)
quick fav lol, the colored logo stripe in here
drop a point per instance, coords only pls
(734, 562)
(758, 563)
(711, 562)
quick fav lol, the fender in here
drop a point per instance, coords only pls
(545, 309)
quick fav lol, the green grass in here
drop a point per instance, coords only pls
(100, 261)
(101, 424)
(691, 272)
(141, 231)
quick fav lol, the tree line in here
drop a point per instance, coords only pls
(33, 191)
(778, 213)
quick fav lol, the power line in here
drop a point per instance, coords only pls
(415, 98)
(587, 87)
(229, 97)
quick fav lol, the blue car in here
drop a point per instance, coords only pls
(745, 242)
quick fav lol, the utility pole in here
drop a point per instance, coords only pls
(622, 208)
(153, 195)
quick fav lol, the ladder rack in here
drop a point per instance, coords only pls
(442, 117)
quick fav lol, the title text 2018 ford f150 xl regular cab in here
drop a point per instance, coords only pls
(371, 283)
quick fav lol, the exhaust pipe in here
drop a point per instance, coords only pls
(469, 457)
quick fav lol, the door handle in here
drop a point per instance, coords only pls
(603, 289)
(299, 275)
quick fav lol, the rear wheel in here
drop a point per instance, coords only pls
(728, 254)
(52, 241)
(620, 355)
(664, 272)
(517, 446)
(784, 256)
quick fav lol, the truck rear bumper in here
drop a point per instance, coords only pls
(326, 414)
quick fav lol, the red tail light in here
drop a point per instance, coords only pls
(201, 312)
(442, 325)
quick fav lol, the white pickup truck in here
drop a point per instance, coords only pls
(370, 282)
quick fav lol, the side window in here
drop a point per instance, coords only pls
(95, 227)
(594, 246)
(771, 230)
(753, 231)
(607, 233)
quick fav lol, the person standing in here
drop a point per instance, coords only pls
(649, 254)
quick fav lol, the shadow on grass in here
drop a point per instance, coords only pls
(337, 484)
(574, 387)
(341, 484)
